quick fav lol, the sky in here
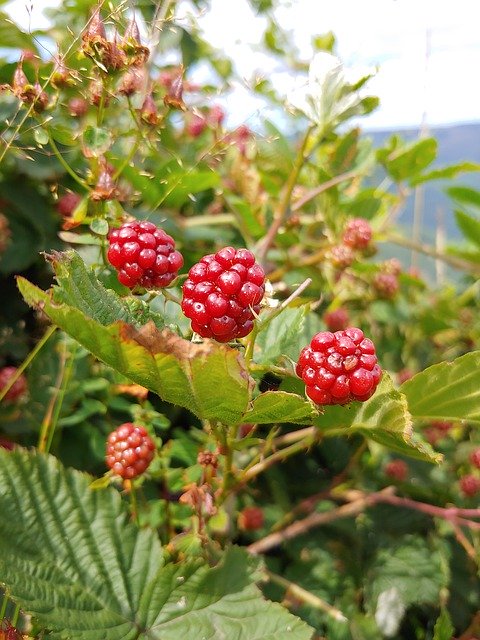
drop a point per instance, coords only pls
(389, 34)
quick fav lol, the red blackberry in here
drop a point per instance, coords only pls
(341, 256)
(223, 293)
(475, 458)
(397, 470)
(143, 255)
(251, 519)
(19, 387)
(336, 320)
(469, 485)
(130, 450)
(386, 285)
(339, 367)
(357, 234)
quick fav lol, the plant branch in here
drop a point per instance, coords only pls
(284, 208)
(299, 593)
(65, 164)
(325, 186)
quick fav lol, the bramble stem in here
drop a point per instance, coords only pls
(60, 396)
(65, 164)
(16, 613)
(48, 423)
(31, 356)
(284, 208)
(299, 593)
(3, 609)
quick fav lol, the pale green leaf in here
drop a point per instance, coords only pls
(280, 406)
(446, 391)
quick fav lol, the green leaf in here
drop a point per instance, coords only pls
(446, 391)
(97, 140)
(12, 37)
(280, 335)
(41, 136)
(443, 627)
(99, 226)
(383, 418)
(411, 573)
(469, 226)
(280, 406)
(324, 42)
(445, 172)
(69, 557)
(209, 379)
(403, 161)
(465, 195)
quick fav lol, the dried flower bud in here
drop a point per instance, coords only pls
(196, 125)
(105, 189)
(207, 459)
(132, 81)
(113, 58)
(77, 107)
(20, 82)
(174, 96)
(132, 46)
(40, 103)
(94, 34)
(95, 91)
(149, 112)
(216, 115)
(61, 76)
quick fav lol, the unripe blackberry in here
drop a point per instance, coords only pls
(77, 107)
(357, 233)
(386, 285)
(470, 485)
(67, 203)
(336, 320)
(475, 458)
(143, 255)
(251, 519)
(397, 470)
(341, 256)
(222, 294)
(392, 266)
(130, 450)
(19, 387)
(339, 367)
(196, 125)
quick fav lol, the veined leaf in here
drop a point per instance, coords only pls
(177, 370)
(469, 226)
(280, 406)
(446, 391)
(280, 335)
(69, 557)
(384, 418)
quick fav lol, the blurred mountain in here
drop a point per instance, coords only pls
(456, 143)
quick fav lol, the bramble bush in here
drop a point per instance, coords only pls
(235, 413)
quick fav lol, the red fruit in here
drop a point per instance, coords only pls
(130, 450)
(77, 107)
(67, 203)
(341, 256)
(475, 458)
(216, 115)
(19, 387)
(392, 266)
(469, 485)
(404, 375)
(222, 294)
(386, 285)
(143, 255)
(339, 367)
(396, 469)
(336, 320)
(251, 519)
(357, 234)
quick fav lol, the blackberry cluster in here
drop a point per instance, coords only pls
(222, 294)
(130, 450)
(339, 367)
(143, 255)
(357, 234)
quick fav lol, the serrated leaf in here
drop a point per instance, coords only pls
(383, 418)
(446, 391)
(445, 172)
(280, 406)
(280, 335)
(469, 226)
(209, 379)
(403, 161)
(79, 287)
(444, 628)
(69, 557)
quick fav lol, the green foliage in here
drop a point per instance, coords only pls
(72, 559)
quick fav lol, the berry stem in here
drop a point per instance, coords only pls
(31, 356)
(284, 208)
(299, 593)
(170, 296)
(130, 488)
(65, 164)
